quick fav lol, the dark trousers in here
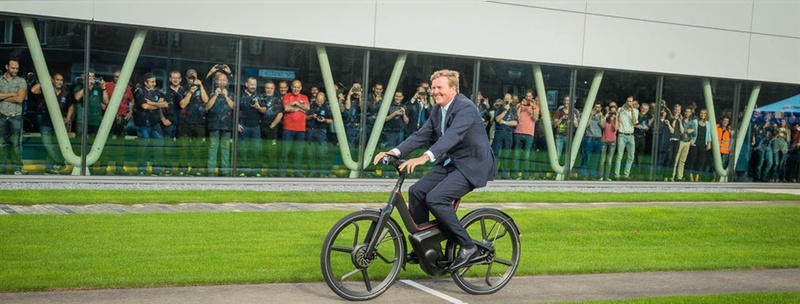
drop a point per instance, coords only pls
(293, 141)
(435, 193)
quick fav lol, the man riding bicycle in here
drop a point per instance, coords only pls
(463, 161)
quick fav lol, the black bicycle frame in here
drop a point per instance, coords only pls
(396, 201)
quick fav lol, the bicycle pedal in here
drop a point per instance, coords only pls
(412, 259)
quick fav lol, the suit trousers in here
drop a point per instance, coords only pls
(435, 193)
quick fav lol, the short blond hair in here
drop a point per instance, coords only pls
(452, 77)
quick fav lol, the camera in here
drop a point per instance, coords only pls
(357, 89)
(423, 93)
(253, 101)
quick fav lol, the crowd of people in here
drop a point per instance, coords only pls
(285, 130)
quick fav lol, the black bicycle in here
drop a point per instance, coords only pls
(364, 252)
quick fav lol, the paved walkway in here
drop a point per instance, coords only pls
(535, 289)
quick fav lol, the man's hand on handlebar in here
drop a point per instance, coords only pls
(380, 156)
(410, 164)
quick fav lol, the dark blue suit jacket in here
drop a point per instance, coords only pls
(465, 141)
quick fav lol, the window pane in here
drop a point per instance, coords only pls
(39, 152)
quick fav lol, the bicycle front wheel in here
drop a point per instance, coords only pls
(494, 230)
(352, 272)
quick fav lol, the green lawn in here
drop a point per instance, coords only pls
(48, 252)
(81, 197)
(736, 298)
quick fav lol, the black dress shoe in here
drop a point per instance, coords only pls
(464, 256)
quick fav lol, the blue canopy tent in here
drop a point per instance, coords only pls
(791, 105)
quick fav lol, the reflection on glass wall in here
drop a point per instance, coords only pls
(28, 133)
(211, 105)
(619, 139)
(699, 110)
(771, 152)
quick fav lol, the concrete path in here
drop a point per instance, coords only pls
(536, 289)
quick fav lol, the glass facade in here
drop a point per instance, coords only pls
(202, 104)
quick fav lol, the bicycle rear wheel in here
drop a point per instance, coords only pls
(495, 230)
(352, 272)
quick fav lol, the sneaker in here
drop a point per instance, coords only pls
(242, 175)
(20, 172)
(258, 175)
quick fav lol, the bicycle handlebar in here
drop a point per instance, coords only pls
(392, 160)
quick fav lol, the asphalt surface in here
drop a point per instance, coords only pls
(535, 289)
(531, 289)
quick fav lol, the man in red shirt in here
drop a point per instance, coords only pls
(124, 114)
(295, 106)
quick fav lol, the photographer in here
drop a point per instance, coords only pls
(484, 109)
(319, 119)
(642, 132)
(394, 127)
(418, 110)
(610, 125)
(219, 124)
(351, 114)
(687, 126)
(561, 123)
(98, 100)
(592, 141)
(628, 117)
(527, 114)
(192, 130)
(506, 121)
(666, 129)
(251, 111)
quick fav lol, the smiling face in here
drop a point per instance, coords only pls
(149, 83)
(58, 81)
(175, 79)
(297, 86)
(251, 85)
(442, 91)
(269, 88)
(12, 68)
